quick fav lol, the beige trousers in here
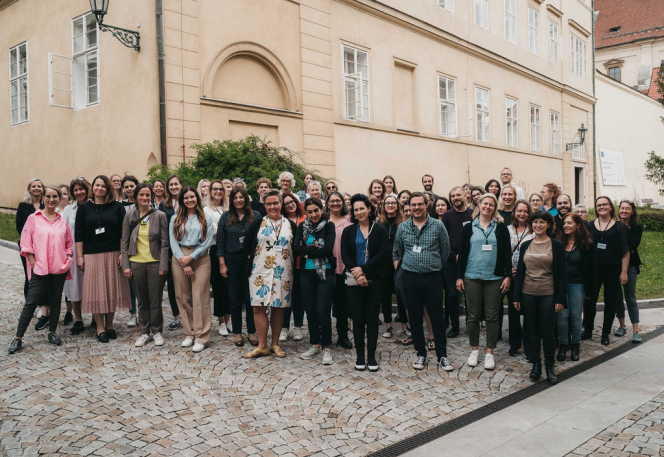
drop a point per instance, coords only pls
(193, 297)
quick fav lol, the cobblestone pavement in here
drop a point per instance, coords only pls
(641, 432)
(85, 398)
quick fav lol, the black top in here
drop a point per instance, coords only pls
(391, 227)
(581, 268)
(90, 218)
(300, 247)
(507, 216)
(256, 205)
(376, 266)
(504, 251)
(251, 239)
(635, 234)
(558, 224)
(574, 267)
(611, 244)
(559, 272)
(231, 239)
(454, 222)
(23, 211)
(168, 210)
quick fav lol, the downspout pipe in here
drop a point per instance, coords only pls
(595, 15)
(162, 82)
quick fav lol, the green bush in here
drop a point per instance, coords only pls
(250, 158)
(651, 219)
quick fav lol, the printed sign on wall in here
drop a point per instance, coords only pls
(613, 168)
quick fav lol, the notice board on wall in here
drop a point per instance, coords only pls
(613, 167)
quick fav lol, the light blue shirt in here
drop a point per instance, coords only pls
(192, 237)
(482, 264)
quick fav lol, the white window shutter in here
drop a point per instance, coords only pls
(60, 81)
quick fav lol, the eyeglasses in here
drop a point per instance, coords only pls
(602, 205)
(217, 189)
(290, 203)
(330, 188)
(390, 203)
(273, 204)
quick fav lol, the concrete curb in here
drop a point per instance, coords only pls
(9, 245)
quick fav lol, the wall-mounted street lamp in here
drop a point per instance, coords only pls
(582, 138)
(129, 38)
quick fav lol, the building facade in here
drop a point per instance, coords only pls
(362, 88)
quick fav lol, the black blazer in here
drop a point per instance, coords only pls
(635, 234)
(379, 252)
(250, 241)
(504, 260)
(559, 272)
(301, 249)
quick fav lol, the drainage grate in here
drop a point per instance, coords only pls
(452, 425)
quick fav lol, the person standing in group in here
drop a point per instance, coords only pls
(203, 189)
(81, 190)
(364, 250)
(468, 192)
(628, 216)
(47, 244)
(493, 187)
(269, 247)
(347, 198)
(508, 198)
(506, 178)
(330, 187)
(128, 184)
(390, 218)
(116, 181)
(159, 190)
(581, 210)
(549, 194)
(421, 246)
(540, 289)
(315, 190)
(535, 202)
(403, 197)
(440, 206)
(64, 200)
(287, 183)
(213, 210)
(427, 184)
(519, 233)
(390, 186)
(145, 261)
(302, 195)
(484, 272)
(169, 206)
(98, 255)
(580, 257)
(338, 215)
(190, 233)
(314, 243)
(293, 211)
(231, 233)
(228, 187)
(407, 213)
(476, 194)
(377, 189)
(611, 239)
(454, 220)
(262, 186)
(564, 207)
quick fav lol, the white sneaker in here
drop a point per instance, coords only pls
(133, 321)
(445, 364)
(140, 342)
(158, 339)
(489, 362)
(297, 334)
(311, 353)
(283, 336)
(327, 357)
(223, 331)
(472, 358)
(418, 364)
(198, 347)
(187, 342)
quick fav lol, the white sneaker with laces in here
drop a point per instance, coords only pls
(472, 358)
(223, 331)
(311, 353)
(418, 364)
(388, 332)
(198, 347)
(489, 362)
(297, 334)
(158, 339)
(187, 342)
(283, 336)
(140, 342)
(327, 357)
(133, 321)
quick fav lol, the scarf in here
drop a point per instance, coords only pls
(308, 228)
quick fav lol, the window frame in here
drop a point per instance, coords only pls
(555, 133)
(510, 18)
(608, 73)
(17, 79)
(484, 7)
(445, 5)
(533, 31)
(578, 57)
(554, 43)
(84, 56)
(535, 127)
(447, 101)
(512, 141)
(345, 77)
(485, 114)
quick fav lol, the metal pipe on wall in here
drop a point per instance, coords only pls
(162, 82)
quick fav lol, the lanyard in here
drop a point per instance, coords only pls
(418, 232)
(274, 227)
(486, 235)
(366, 241)
(519, 239)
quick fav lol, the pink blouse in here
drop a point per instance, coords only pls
(50, 243)
(336, 251)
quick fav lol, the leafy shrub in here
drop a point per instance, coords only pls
(250, 159)
(651, 219)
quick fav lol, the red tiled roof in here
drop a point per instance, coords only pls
(637, 19)
(653, 92)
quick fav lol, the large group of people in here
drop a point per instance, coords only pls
(113, 243)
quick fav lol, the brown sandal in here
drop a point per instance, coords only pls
(258, 352)
(407, 341)
(253, 340)
(276, 350)
(238, 341)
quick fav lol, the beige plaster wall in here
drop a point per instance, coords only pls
(649, 53)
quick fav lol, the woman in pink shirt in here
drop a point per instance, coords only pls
(47, 244)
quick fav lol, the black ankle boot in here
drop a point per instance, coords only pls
(574, 355)
(536, 372)
(562, 353)
(550, 375)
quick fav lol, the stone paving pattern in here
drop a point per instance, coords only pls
(640, 433)
(87, 398)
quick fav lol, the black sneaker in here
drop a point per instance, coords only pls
(42, 322)
(15, 346)
(54, 339)
(372, 365)
(360, 364)
(69, 319)
(77, 328)
(174, 324)
(453, 333)
(111, 333)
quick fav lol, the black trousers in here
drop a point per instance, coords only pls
(540, 314)
(518, 334)
(452, 295)
(170, 288)
(341, 305)
(386, 297)
(221, 304)
(238, 292)
(425, 291)
(45, 299)
(39, 287)
(318, 296)
(402, 317)
(297, 307)
(609, 276)
(364, 307)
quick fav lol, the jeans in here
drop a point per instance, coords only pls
(297, 307)
(425, 291)
(629, 290)
(318, 295)
(218, 282)
(341, 305)
(540, 313)
(609, 276)
(518, 334)
(364, 307)
(238, 292)
(452, 295)
(569, 319)
(483, 295)
(39, 287)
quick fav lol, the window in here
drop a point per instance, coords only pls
(482, 114)
(447, 106)
(356, 84)
(482, 13)
(553, 43)
(510, 20)
(18, 84)
(446, 5)
(614, 73)
(85, 57)
(534, 128)
(555, 133)
(511, 112)
(533, 30)
(579, 57)
(614, 29)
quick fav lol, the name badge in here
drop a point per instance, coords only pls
(278, 248)
(467, 222)
(417, 249)
(100, 230)
(486, 247)
(601, 246)
(241, 239)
